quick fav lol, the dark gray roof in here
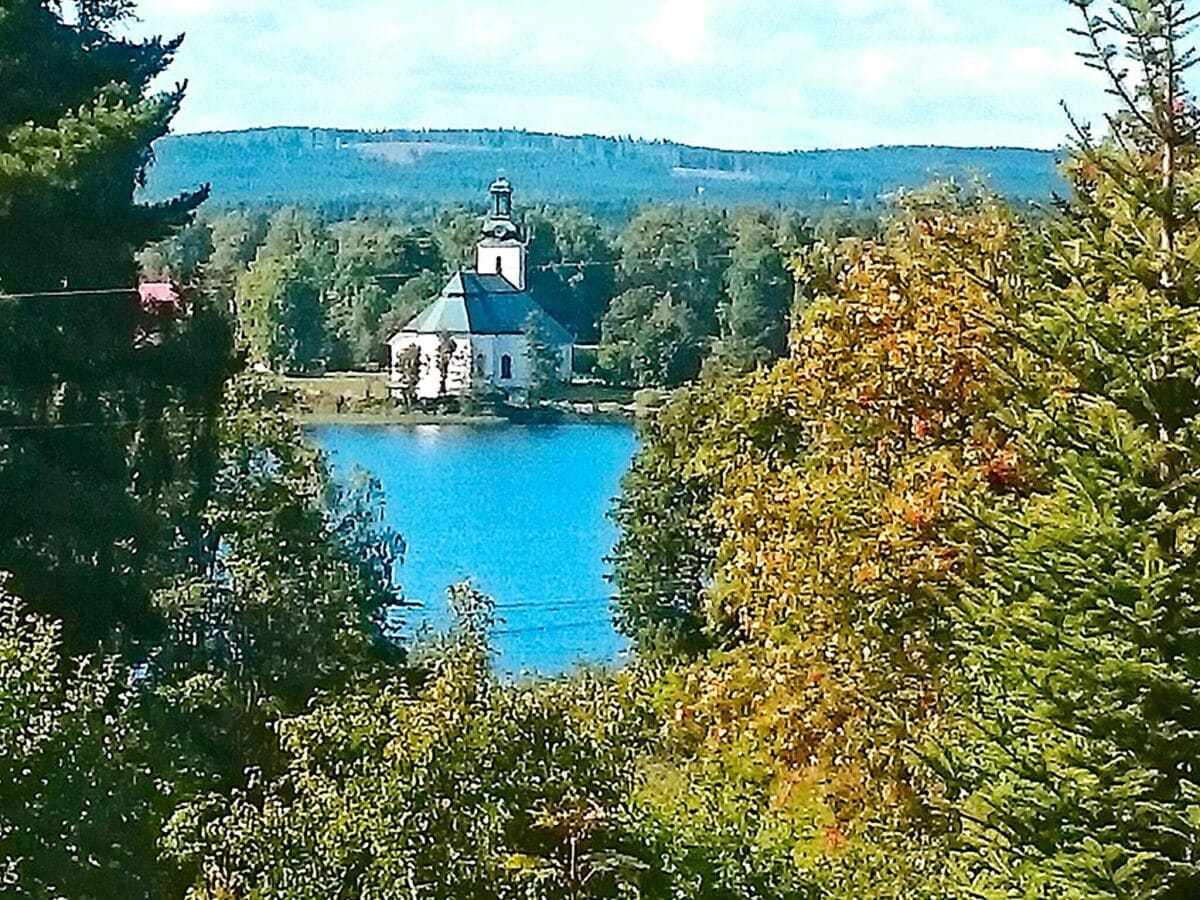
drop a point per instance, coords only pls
(482, 304)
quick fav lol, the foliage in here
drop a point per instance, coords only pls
(406, 374)
(456, 787)
(456, 233)
(1073, 763)
(372, 257)
(544, 359)
(446, 350)
(294, 600)
(572, 268)
(666, 553)
(179, 258)
(809, 515)
(648, 339)
(680, 254)
(81, 809)
(281, 298)
(760, 292)
(102, 406)
(605, 176)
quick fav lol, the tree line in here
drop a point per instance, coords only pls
(914, 604)
(670, 289)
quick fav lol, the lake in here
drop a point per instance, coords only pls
(519, 510)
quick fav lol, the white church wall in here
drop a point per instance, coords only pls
(475, 357)
(514, 346)
(429, 385)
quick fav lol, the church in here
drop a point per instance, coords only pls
(473, 336)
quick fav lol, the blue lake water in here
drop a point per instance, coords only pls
(519, 510)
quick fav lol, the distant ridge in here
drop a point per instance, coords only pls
(433, 167)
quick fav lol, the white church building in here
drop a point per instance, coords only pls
(474, 334)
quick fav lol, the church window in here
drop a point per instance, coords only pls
(506, 367)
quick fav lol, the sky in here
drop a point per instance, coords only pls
(744, 74)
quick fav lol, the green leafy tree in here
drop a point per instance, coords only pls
(406, 374)
(180, 257)
(759, 296)
(82, 806)
(543, 357)
(373, 257)
(236, 237)
(456, 232)
(297, 598)
(648, 339)
(281, 298)
(666, 554)
(446, 350)
(409, 301)
(681, 253)
(460, 787)
(572, 268)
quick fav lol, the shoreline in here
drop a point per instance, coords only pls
(414, 419)
(361, 398)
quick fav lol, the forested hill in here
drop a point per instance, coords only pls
(407, 167)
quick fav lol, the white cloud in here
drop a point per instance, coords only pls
(761, 74)
(680, 29)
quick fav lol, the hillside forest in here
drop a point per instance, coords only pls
(913, 595)
(414, 171)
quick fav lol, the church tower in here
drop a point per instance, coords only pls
(502, 250)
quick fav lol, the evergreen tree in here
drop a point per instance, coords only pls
(1074, 767)
(105, 447)
(181, 257)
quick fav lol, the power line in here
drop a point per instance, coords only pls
(90, 292)
(538, 629)
(112, 423)
(555, 604)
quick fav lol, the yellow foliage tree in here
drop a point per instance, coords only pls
(837, 482)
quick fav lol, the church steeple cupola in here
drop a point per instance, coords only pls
(502, 193)
(502, 249)
(500, 224)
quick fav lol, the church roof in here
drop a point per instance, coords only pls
(482, 304)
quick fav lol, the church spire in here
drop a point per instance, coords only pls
(502, 250)
(500, 224)
(502, 194)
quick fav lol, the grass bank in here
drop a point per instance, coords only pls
(362, 398)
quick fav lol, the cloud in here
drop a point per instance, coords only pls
(756, 74)
(680, 29)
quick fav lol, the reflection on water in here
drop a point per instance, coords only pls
(519, 510)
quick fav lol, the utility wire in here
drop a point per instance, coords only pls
(113, 423)
(100, 292)
(91, 292)
(570, 626)
(556, 604)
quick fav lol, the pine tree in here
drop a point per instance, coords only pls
(104, 444)
(1074, 768)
